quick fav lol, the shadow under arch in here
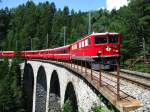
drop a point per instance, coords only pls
(28, 86)
(41, 90)
(54, 96)
(54, 84)
(70, 98)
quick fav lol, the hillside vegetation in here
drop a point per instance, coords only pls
(42, 26)
(30, 26)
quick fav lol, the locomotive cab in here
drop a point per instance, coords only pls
(107, 49)
(107, 45)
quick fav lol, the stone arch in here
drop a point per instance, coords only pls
(70, 97)
(28, 86)
(54, 96)
(41, 90)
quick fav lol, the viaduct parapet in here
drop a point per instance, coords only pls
(48, 86)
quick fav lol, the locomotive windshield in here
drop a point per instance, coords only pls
(106, 39)
(113, 39)
(100, 39)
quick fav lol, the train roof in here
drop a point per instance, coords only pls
(7, 51)
(47, 49)
(62, 47)
(94, 34)
(112, 33)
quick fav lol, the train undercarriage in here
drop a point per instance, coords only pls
(96, 63)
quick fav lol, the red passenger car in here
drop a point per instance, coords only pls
(50, 53)
(62, 53)
(9, 54)
(0, 53)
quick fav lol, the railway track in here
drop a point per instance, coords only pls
(132, 77)
(134, 86)
(138, 80)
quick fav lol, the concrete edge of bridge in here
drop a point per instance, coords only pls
(126, 103)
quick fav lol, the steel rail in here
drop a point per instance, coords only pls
(129, 79)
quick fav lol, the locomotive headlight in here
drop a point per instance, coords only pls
(117, 51)
(99, 52)
(108, 48)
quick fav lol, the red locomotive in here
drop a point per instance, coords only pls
(97, 47)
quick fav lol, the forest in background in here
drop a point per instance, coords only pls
(30, 26)
(41, 26)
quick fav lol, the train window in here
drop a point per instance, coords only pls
(89, 41)
(86, 42)
(79, 44)
(82, 43)
(100, 39)
(113, 39)
(65, 51)
(75, 46)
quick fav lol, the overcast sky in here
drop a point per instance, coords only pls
(83, 5)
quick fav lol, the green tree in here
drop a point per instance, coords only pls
(10, 90)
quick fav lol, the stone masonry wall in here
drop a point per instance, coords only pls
(85, 96)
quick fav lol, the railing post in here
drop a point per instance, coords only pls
(74, 64)
(85, 67)
(118, 79)
(77, 65)
(67, 63)
(81, 67)
(100, 75)
(91, 72)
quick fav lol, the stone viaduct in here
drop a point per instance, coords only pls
(48, 86)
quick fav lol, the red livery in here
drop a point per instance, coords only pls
(97, 47)
(9, 54)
